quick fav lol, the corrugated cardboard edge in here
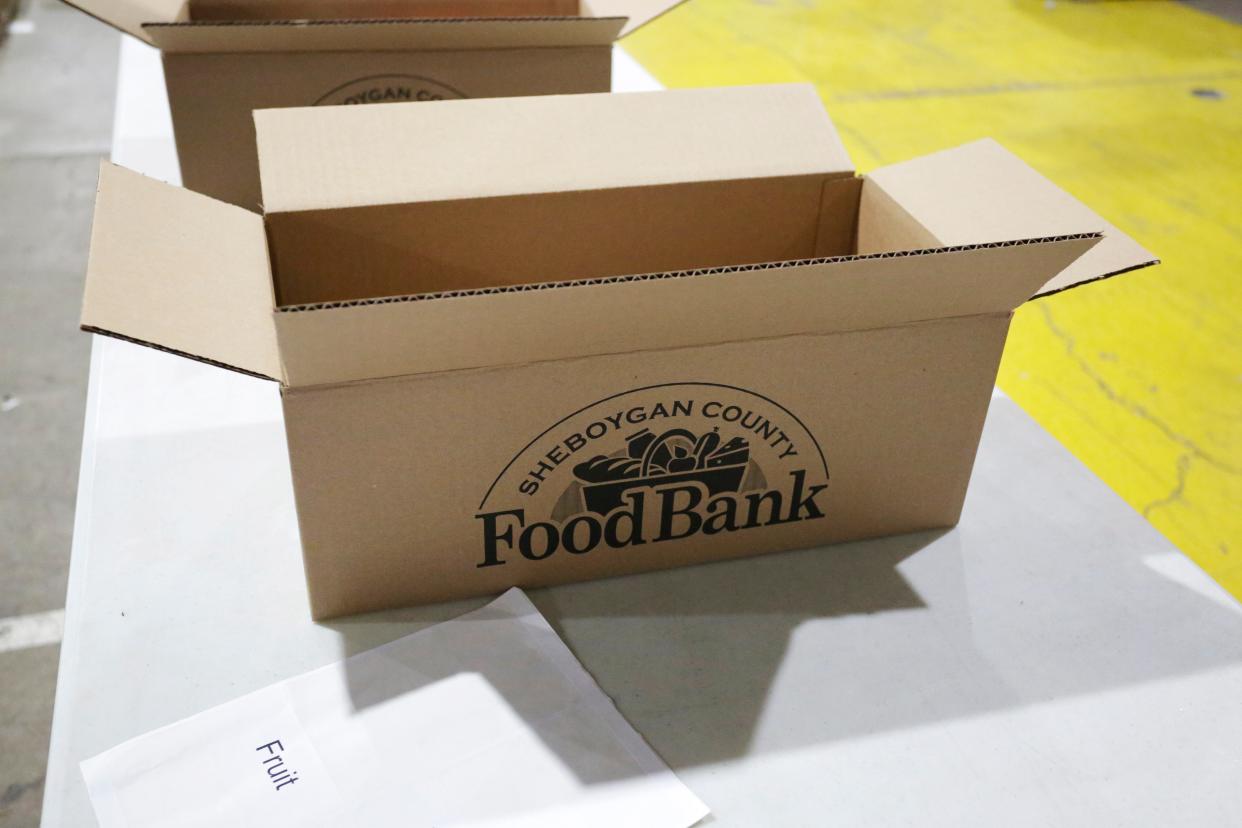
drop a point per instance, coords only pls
(185, 354)
(383, 34)
(675, 274)
(1045, 293)
(398, 339)
(175, 270)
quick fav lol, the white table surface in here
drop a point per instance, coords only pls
(1052, 661)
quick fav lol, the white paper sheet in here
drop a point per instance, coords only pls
(486, 721)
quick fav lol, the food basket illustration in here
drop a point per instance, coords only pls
(674, 456)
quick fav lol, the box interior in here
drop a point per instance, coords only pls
(218, 10)
(371, 252)
(355, 253)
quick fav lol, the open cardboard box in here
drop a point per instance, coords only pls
(225, 58)
(480, 392)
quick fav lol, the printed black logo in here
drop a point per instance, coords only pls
(389, 89)
(654, 464)
(674, 456)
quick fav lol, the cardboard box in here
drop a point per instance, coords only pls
(478, 390)
(225, 58)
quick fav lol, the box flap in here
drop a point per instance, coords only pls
(980, 193)
(382, 35)
(370, 339)
(180, 272)
(350, 156)
(377, 9)
(129, 15)
(639, 12)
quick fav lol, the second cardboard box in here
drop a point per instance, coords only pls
(225, 58)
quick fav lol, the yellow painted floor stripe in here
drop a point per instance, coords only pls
(1136, 108)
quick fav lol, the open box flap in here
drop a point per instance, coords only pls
(315, 158)
(180, 272)
(129, 15)
(639, 12)
(980, 192)
(382, 35)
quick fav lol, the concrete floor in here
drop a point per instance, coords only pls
(57, 91)
(57, 76)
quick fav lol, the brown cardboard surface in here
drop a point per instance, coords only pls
(249, 25)
(382, 35)
(839, 206)
(376, 9)
(883, 224)
(449, 333)
(637, 13)
(181, 272)
(314, 159)
(980, 192)
(391, 476)
(471, 244)
(212, 95)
